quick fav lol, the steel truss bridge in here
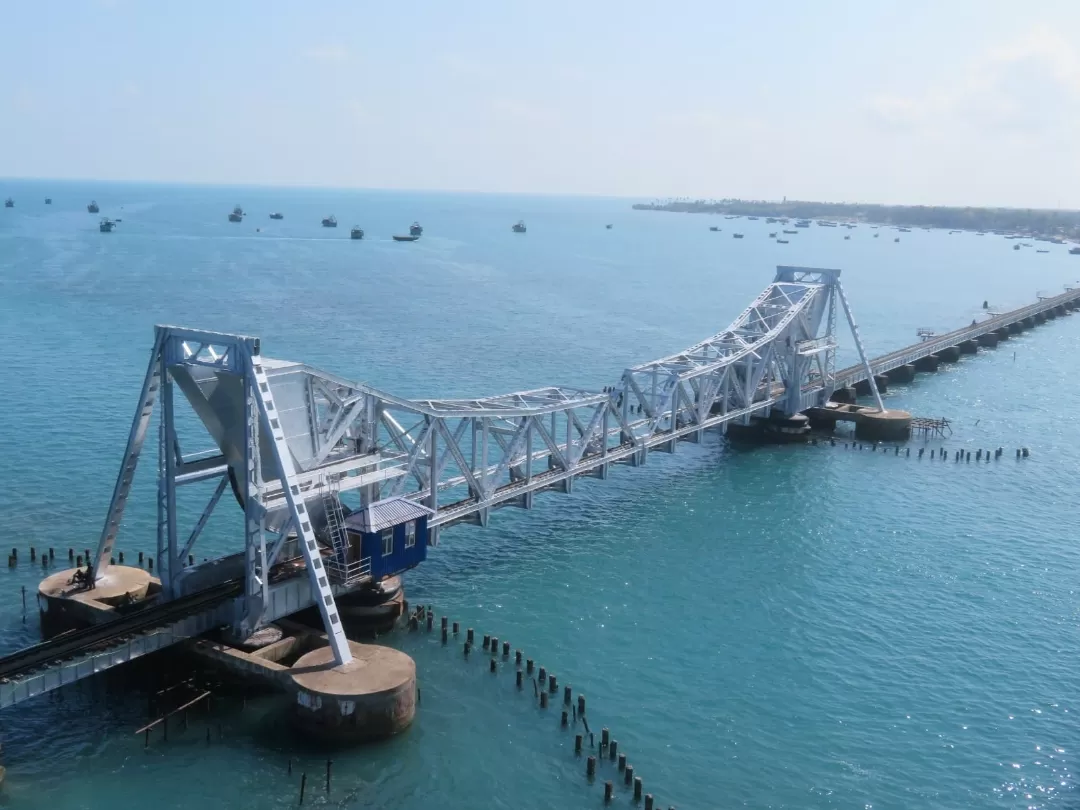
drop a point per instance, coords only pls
(296, 444)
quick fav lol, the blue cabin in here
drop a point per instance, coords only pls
(392, 533)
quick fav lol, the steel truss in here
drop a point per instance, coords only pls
(309, 435)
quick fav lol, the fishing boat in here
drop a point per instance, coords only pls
(48, 200)
(772, 235)
(401, 238)
(277, 215)
(786, 231)
(1075, 251)
(897, 239)
(847, 237)
(905, 230)
(356, 233)
(802, 223)
(93, 207)
(329, 222)
(1042, 251)
(106, 225)
(9, 203)
(237, 215)
(714, 228)
(609, 227)
(770, 219)
(415, 229)
(781, 241)
(738, 235)
(518, 227)
(1016, 247)
(754, 218)
(876, 235)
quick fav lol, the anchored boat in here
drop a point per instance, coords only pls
(519, 227)
(738, 235)
(93, 207)
(106, 225)
(237, 215)
(403, 238)
(9, 203)
(330, 222)
(356, 233)
(277, 215)
(415, 229)
(48, 200)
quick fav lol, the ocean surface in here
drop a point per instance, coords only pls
(790, 627)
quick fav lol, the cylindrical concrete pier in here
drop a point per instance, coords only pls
(66, 607)
(1002, 334)
(890, 426)
(375, 609)
(950, 354)
(989, 340)
(928, 363)
(371, 697)
(968, 347)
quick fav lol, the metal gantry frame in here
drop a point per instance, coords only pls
(460, 457)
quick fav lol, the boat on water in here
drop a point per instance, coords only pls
(403, 238)
(772, 235)
(519, 226)
(48, 200)
(754, 218)
(356, 233)
(782, 241)
(770, 219)
(277, 215)
(904, 230)
(237, 215)
(876, 235)
(847, 237)
(824, 223)
(787, 231)
(1016, 247)
(802, 223)
(106, 225)
(738, 235)
(329, 222)
(1042, 251)
(714, 228)
(897, 239)
(415, 229)
(1075, 251)
(609, 227)
(93, 207)
(9, 203)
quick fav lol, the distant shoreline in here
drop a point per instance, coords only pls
(1054, 226)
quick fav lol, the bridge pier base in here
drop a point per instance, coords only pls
(1051, 314)
(1002, 334)
(372, 610)
(845, 396)
(65, 607)
(901, 374)
(989, 340)
(928, 363)
(887, 426)
(969, 347)
(1015, 328)
(862, 387)
(1028, 323)
(950, 354)
(1039, 317)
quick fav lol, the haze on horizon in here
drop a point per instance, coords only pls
(970, 102)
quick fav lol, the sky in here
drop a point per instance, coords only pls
(965, 102)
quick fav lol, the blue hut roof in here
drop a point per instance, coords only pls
(386, 513)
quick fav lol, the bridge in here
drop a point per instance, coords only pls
(317, 462)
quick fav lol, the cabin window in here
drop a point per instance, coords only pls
(410, 534)
(388, 542)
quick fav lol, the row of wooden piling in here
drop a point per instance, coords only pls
(544, 684)
(48, 557)
(935, 453)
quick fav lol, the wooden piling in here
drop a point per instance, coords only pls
(628, 774)
(590, 766)
(565, 719)
(637, 788)
(609, 791)
(543, 700)
(622, 762)
(303, 784)
(329, 764)
(648, 801)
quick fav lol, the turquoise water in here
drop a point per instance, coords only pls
(789, 627)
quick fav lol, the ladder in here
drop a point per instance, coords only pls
(320, 581)
(341, 569)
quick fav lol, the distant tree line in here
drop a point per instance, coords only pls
(1032, 221)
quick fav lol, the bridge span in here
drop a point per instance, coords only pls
(322, 466)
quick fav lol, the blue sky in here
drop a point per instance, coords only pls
(955, 101)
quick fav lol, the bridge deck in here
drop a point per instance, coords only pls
(909, 354)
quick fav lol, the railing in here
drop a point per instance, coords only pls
(349, 573)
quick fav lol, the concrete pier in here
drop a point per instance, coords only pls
(66, 607)
(862, 387)
(950, 354)
(887, 426)
(969, 347)
(374, 610)
(1002, 334)
(928, 363)
(901, 374)
(989, 340)
(1015, 328)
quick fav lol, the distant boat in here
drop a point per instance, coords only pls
(106, 225)
(876, 235)
(1016, 247)
(738, 235)
(770, 219)
(356, 233)
(802, 223)
(781, 241)
(772, 235)
(9, 203)
(897, 239)
(277, 215)
(409, 238)
(790, 231)
(415, 229)
(753, 217)
(48, 200)
(1042, 251)
(518, 227)
(847, 237)
(1075, 251)
(93, 207)
(330, 222)
(609, 227)
(905, 230)
(713, 228)
(237, 215)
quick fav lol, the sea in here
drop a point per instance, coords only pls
(784, 627)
